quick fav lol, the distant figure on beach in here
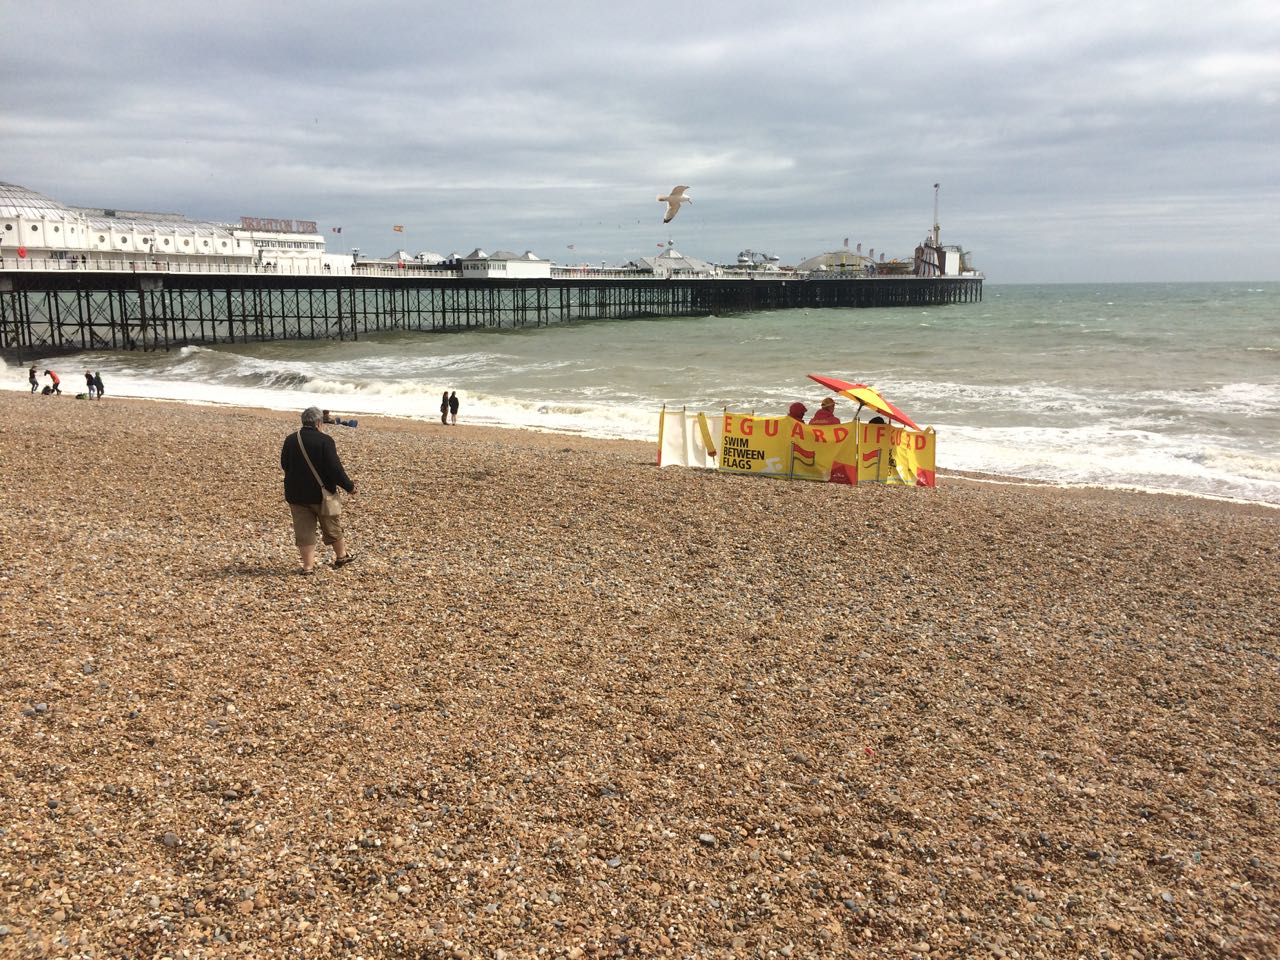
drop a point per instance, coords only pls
(444, 408)
(327, 417)
(826, 415)
(453, 407)
(33, 379)
(797, 411)
(90, 387)
(97, 383)
(309, 458)
(57, 382)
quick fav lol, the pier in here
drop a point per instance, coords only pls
(65, 310)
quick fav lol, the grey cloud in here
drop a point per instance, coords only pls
(1071, 144)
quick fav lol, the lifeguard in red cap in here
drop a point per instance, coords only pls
(826, 415)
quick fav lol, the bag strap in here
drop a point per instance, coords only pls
(305, 457)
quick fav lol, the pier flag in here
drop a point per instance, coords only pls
(398, 228)
(336, 229)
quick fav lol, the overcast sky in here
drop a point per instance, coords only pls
(1073, 141)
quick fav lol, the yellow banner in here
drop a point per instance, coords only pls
(783, 447)
(890, 454)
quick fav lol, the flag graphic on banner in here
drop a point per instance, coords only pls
(398, 228)
(804, 456)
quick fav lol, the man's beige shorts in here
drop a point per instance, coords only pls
(305, 518)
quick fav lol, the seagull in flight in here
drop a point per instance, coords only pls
(673, 201)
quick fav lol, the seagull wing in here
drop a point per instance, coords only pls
(677, 191)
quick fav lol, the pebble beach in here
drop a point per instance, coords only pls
(568, 704)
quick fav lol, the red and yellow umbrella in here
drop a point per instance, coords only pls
(865, 396)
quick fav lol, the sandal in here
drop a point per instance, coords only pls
(304, 572)
(343, 561)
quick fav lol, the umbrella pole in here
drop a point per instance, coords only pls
(857, 443)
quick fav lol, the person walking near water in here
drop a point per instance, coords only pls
(453, 407)
(33, 379)
(444, 408)
(309, 459)
(90, 386)
(97, 382)
(57, 382)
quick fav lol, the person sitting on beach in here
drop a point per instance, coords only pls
(90, 387)
(303, 493)
(826, 414)
(797, 411)
(57, 382)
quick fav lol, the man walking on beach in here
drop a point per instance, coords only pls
(309, 459)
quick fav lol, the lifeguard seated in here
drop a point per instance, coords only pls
(826, 413)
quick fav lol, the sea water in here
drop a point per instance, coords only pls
(1168, 387)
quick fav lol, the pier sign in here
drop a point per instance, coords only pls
(271, 225)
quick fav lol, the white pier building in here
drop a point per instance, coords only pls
(41, 233)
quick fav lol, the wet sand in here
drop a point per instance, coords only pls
(567, 704)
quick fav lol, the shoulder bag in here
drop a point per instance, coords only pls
(330, 503)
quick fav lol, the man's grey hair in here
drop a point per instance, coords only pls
(311, 416)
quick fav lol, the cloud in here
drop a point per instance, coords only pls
(1068, 141)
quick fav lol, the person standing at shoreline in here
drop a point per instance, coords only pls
(309, 459)
(444, 408)
(33, 379)
(97, 382)
(453, 407)
(90, 387)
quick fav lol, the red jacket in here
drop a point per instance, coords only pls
(823, 418)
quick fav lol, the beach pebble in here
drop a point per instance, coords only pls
(496, 732)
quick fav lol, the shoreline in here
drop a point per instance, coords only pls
(943, 474)
(566, 701)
